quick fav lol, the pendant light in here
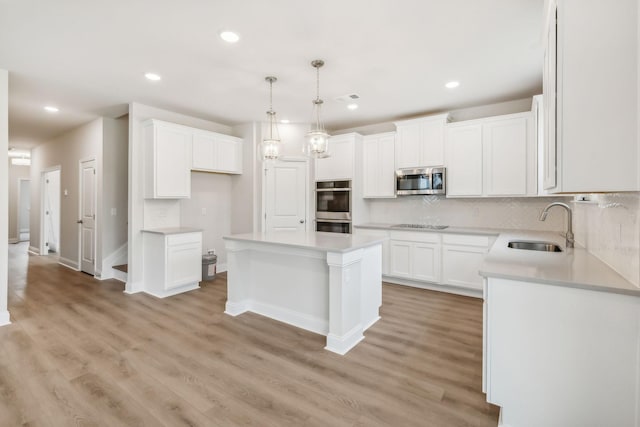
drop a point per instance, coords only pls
(270, 147)
(317, 139)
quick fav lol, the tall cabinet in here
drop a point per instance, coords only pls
(378, 165)
(591, 96)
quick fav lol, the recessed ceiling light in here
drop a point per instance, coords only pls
(51, 109)
(352, 106)
(153, 77)
(285, 121)
(452, 85)
(229, 36)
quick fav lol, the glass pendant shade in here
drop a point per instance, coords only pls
(270, 146)
(317, 139)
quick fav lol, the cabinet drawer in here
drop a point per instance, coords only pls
(415, 236)
(183, 238)
(467, 240)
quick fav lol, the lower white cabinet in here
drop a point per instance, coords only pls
(414, 255)
(462, 257)
(172, 262)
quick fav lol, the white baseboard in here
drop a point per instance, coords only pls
(221, 268)
(175, 291)
(5, 318)
(342, 344)
(119, 275)
(13, 240)
(236, 308)
(434, 287)
(33, 250)
(69, 264)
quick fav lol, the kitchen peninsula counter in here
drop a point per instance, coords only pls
(327, 283)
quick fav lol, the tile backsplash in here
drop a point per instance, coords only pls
(609, 227)
(507, 213)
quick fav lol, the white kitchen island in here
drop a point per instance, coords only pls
(327, 283)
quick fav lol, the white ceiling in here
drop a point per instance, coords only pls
(89, 58)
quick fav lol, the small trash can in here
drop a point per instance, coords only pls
(209, 266)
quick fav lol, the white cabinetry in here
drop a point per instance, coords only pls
(414, 255)
(591, 97)
(214, 152)
(383, 234)
(462, 256)
(573, 352)
(172, 262)
(464, 160)
(420, 142)
(495, 156)
(167, 160)
(340, 165)
(378, 165)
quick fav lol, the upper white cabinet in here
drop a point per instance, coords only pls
(340, 165)
(495, 156)
(214, 152)
(420, 142)
(378, 165)
(464, 159)
(590, 97)
(167, 160)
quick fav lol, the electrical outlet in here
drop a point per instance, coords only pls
(114, 211)
(204, 211)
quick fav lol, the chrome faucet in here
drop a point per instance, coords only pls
(569, 236)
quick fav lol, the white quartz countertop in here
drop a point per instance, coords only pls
(451, 230)
(172, 230)
(333, 242)
(573, 267)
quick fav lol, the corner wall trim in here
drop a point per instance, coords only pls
(5, 318)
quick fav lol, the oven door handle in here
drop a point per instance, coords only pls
(341, 221)
(321, 190)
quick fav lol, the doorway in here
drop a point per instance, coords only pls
(50, 237)
(87, 219)
(285, 196)
(24, 205)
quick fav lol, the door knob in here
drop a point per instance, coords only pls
(79, 221)
(302, 221)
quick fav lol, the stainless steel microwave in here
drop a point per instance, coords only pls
(416, 181)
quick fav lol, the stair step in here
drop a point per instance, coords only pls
(123, 267)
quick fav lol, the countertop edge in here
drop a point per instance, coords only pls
(171, 230)
(240, 238)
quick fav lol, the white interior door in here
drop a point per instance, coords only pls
(51, 212)
(286, 196)
(87, 216)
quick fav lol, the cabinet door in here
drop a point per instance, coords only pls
(400, 258)
(460, 266)
(464, 160)
(549, 85)
(425, 262)
(172, 158)
(506, 156)
(183, 265)
(340, 164)
(408, 146)
(203, 152)
(370, 172)
(387, 170)
(227, 155)
(433, 143)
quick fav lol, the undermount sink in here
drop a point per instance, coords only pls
(535, 246)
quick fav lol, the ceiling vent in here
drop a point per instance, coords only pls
(348, 98)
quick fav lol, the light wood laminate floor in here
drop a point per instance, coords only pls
(81, 352)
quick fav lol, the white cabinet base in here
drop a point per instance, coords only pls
(174, 291)
(467, 292)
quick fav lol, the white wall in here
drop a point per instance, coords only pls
(609, 227)
(113, 201)
(246, 188)
(155, 213)
(66, 151)
(16, 173)
(4, 196)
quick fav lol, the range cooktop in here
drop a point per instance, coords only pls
(428, 226)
